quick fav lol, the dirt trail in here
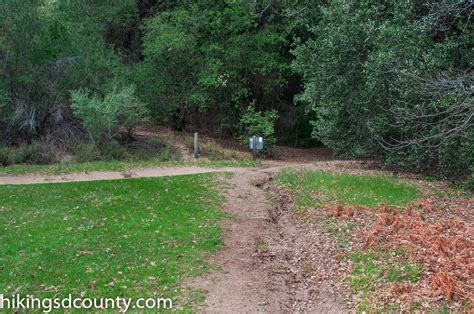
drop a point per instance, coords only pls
(271, 262)
(146, 172)
(111, 175)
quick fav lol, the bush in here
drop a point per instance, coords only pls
(259, 124)
(212, 151)
(35, 153)
(160, 142)
(470, 179)
(85, 152)
(102, 116)
(158, 147)
(166, 146)
(113, 150)
(5, 156)
(167, 154)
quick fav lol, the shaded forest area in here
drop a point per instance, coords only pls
(388, 79)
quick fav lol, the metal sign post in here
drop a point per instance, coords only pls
(254, 147)
(255, 143)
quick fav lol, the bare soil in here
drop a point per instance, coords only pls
(271, 262)
(147, 172)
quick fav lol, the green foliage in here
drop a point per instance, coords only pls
(157, 147)
(34, 153)
(372, 267)
(259, 124)
(212, 151)
(5, 156)
(103, 117)
(470, 179)
(46, 49)
(112, 150)
(215, 152)
(385, 78)
(214, 58)
(85, 152)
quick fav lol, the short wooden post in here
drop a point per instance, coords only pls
(254, 147)
(196, 145)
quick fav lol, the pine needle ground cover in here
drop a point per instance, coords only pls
(131, 238)
(405, 252)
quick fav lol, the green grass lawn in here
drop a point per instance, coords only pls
(130, 238)
(115, 165)
(314, 188)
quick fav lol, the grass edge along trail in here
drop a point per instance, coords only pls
(318, 189)
(74, 167)
(131, 237)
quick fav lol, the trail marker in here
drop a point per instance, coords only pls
(255, 143)
(196, 145)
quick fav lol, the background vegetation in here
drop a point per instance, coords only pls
(386, 78)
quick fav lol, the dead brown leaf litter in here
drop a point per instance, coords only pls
(436, 233)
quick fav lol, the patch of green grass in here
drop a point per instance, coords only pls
(314, 188)
(245, 162)
(131, 238)
(371, 267)
(365, 272)
(115, 165)
(404, 272)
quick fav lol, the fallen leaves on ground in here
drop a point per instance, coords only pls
(437, 234)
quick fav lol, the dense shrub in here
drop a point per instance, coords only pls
(85, 152)
(48, 49)
(393, 79)
(167, 154)
(5, 156)
(259, 124)
(34, 153)
(112, 150)
(212, 151)
(212, 57)
(470, 179)
(103, 116)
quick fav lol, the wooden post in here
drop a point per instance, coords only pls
(254, 147)
(196, 145)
